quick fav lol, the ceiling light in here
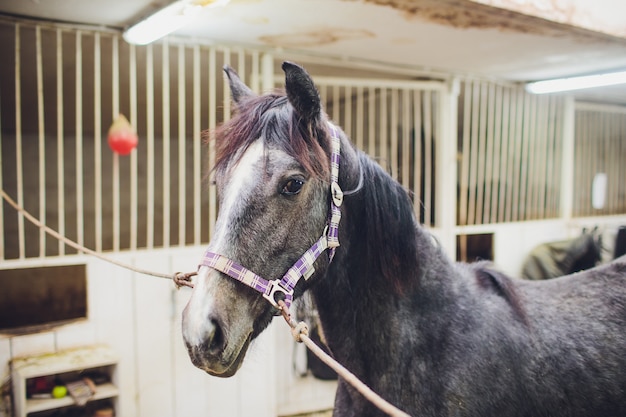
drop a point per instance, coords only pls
(167, 20)
(576, 83)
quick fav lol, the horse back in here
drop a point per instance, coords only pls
(543, 348)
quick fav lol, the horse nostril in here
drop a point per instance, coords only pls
(215, 341)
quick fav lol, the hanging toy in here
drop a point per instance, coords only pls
(122, 137)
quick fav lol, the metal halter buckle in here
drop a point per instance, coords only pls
(274, 289)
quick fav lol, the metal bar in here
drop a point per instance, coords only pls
(465, 155)
(212, 124)
(336, 103)
(550, 155)
(371, 132)
(566, 170)
(622, 157)
(267, 72)
(115, 104)
(150, 147)
(473, 174)
(41, 142)
(511, 155)
(182, 97)
(489, 144)
(97, 136)
(587, 171)
(608, 132)
(596, 136)
(577, 146)
(323, 90)
(133, 155)
(519, 141)
(558, 154)
(227, 98)
(428, 142)
(60, 147)
(541, 153)
(197, 177)
(383, 132)
(394, 135)
(347, 115)
(80, 212)
(614, 180)
(406, 138)
(607, 160)
(380, 83)
(580, 126)
(524, 170)
(597, 107)
(255, 80)
(496, 139)
(360, 119)
(241, 65)
(587, 166)
(531, 185)
(165, 87)
(482, 146)
(417, 152)
(446, 164)
(503, 155)
(609, 152)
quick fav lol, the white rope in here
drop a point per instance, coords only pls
(300, 332)
(82, 248)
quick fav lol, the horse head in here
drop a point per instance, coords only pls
(272, 176)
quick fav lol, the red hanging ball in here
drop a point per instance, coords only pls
(122, 137)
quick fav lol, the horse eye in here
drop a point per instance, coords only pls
(292, 187)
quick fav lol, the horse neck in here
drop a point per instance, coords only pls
(385, 268)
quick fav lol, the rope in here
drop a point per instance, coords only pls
(179, 278)
(300, 332)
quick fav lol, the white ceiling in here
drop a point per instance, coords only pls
(434, 35)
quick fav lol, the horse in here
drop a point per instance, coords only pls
(431, 336)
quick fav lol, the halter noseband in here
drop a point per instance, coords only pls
(277, 290)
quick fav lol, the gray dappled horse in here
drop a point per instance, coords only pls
(433, 337)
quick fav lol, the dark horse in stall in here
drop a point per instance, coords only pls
(431, 336)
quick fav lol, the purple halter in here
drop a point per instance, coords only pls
(276, 290)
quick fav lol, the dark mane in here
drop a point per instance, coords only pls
(391, 232)
(272, 117)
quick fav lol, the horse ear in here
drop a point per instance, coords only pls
(238, 89)
(301, 91)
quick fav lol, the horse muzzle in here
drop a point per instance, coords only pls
(221, 364)
(217, 330)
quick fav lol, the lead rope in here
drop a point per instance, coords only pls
(180, 278)
(300, 333)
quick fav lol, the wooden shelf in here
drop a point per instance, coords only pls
(103, 391)
(66, 363)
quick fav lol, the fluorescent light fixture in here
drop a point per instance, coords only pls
(576, 83)
(167, 20)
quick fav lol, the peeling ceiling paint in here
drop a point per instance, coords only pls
(605, 16)
(468, 14)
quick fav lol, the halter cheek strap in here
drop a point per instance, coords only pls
(277, 290)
